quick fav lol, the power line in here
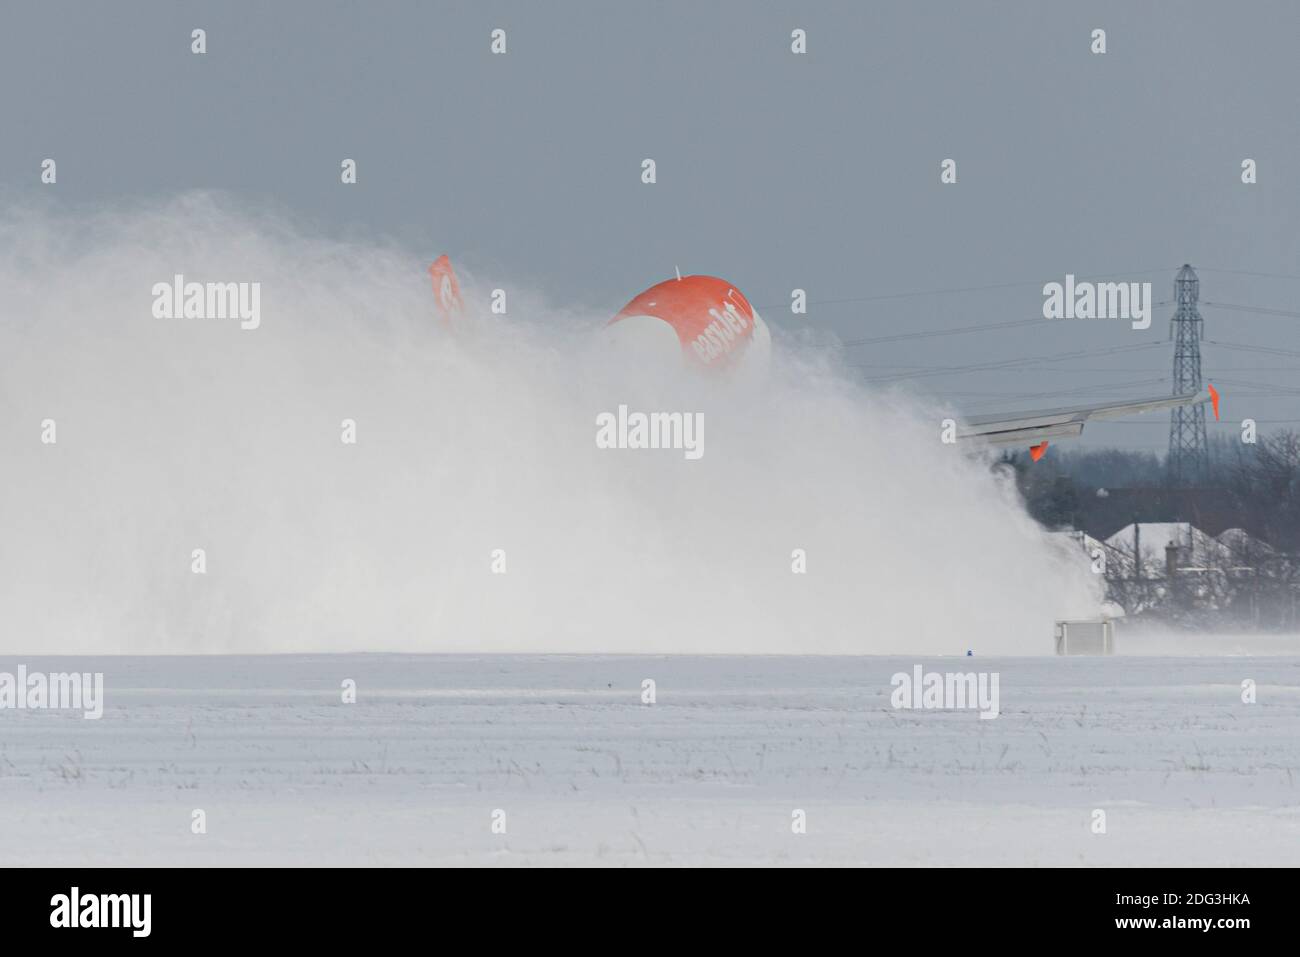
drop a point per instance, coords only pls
(1084, 390)
(1247, 272)
(1242, 347)
(962, 289)
(1283, 313)
(1266, 390)
(1088, 369)
(947, 332)
(993, 287)
(1156, 421)
(1030, 368)
(953, 330)
(963, 394)
(1011, 363)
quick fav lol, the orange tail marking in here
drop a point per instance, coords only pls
(446, 290)
(1214, 400)
(1036, 451)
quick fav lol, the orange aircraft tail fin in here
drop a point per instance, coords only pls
(446, 291)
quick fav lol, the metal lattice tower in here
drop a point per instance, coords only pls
(1189, 459)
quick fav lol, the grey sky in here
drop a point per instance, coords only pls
(818, 171)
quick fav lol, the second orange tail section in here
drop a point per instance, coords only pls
(446, 291)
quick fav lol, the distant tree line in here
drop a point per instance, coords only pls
(1254, 580)
(1254, 487)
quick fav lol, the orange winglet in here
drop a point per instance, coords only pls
(446, 290)
(1214, 400)
(1036, 451)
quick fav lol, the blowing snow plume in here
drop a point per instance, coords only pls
(475, 510)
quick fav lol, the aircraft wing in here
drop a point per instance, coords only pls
(1021, 428)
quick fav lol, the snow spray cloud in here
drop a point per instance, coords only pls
(351, 475)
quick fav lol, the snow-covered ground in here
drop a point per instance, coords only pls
(711, 773)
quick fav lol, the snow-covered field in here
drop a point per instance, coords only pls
(286, 773)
